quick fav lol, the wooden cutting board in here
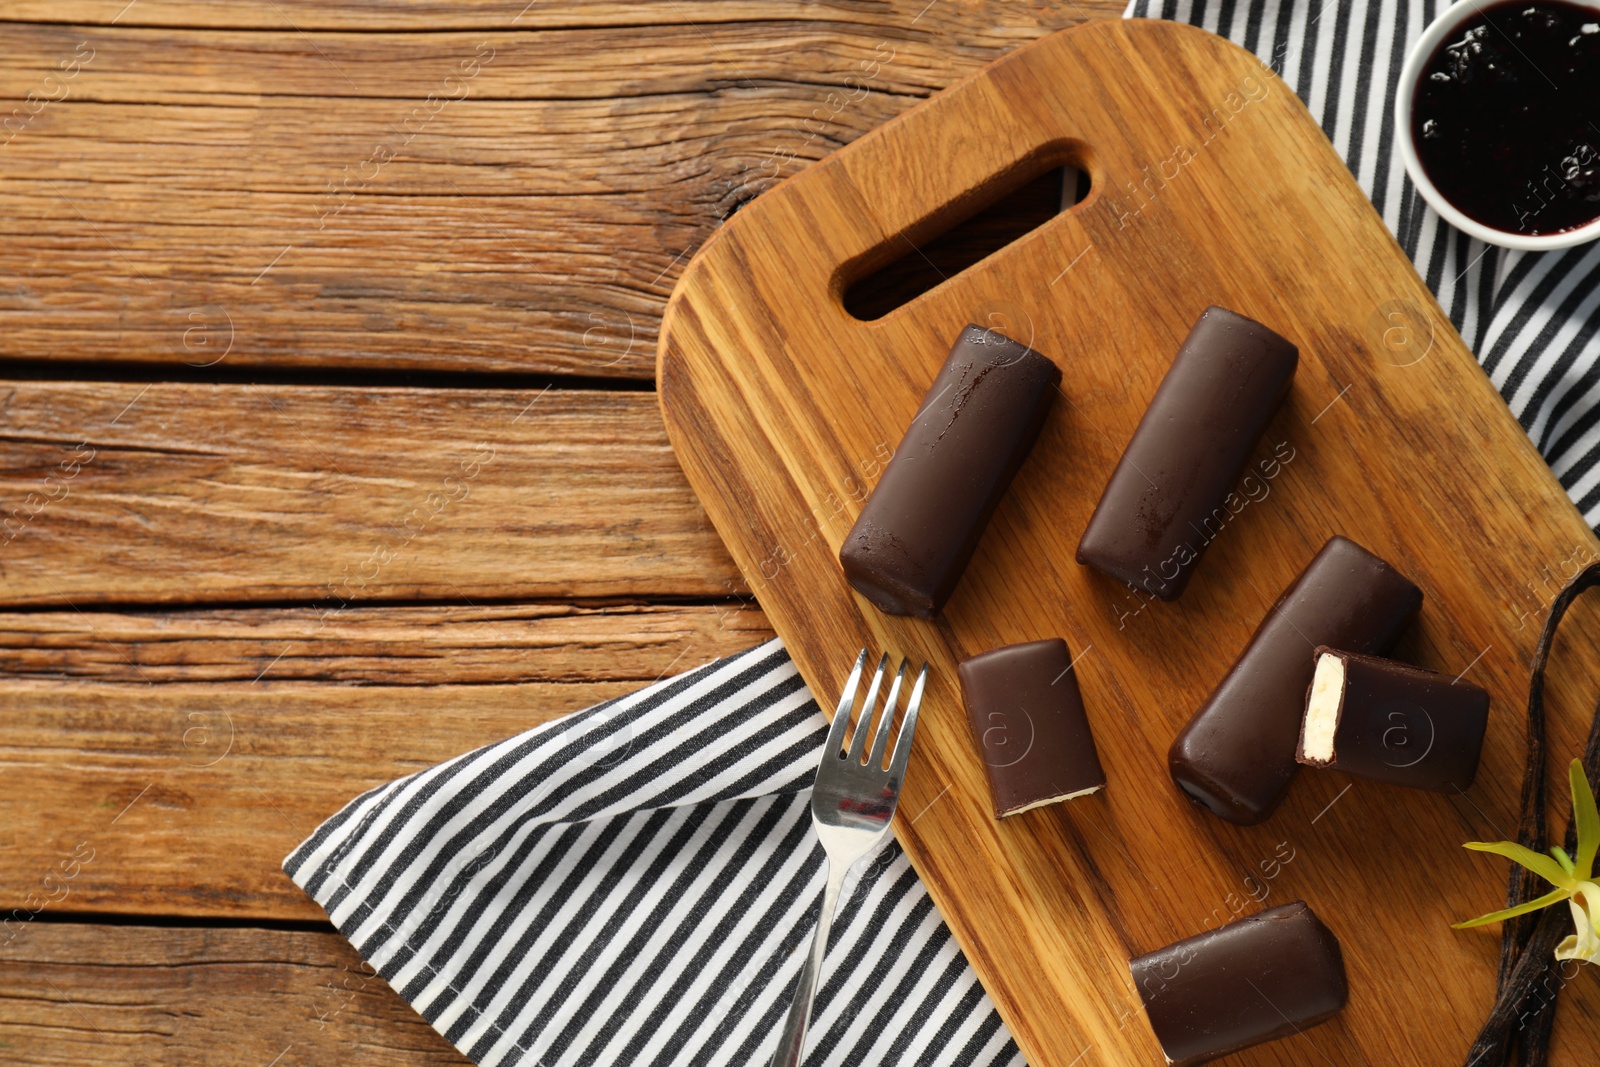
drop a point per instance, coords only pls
(1211, 184)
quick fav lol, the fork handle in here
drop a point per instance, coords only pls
(793, 1041)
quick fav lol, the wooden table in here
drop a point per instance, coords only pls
(330, 446)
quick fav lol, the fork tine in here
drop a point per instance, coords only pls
(880, 740)
(908, 728)
(858, 742)
(841, 714)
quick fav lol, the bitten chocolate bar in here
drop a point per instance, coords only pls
(1165, 502)
(920, 526)
(1027, 717)
(1236, 757)
(1392, 722)
(1256, 979)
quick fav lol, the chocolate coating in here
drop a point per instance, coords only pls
(1256, 979)
(1165, 501)
(920, 526)
(1404, 725)
(1028, 720)
(1236, 756)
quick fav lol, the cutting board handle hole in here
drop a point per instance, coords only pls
(1001, 211)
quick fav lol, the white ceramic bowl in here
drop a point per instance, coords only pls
(1441, 28)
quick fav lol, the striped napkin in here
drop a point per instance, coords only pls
(629, 885)
(635, 884)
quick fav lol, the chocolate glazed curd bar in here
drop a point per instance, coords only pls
(1236, 756)
(1164, 503)
(1256, 979)
(1392, 722)
(920, 526)
(1028, 720)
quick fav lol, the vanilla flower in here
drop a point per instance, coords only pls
(1573, 877)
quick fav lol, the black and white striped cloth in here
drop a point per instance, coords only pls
(631, 884)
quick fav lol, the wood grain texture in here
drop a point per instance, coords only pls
(240, 762)
(83, 995)
(777, 401)
(494, 197)
(189, 797)
(125, 493)
(422, 645)
(961, 22)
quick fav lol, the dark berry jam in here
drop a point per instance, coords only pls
(1507, 117)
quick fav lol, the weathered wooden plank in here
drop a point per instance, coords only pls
(182, 196)
(127, 493)
(425, 645)
(660, 56)
(82, 995)
(977, 20)
(187, 798)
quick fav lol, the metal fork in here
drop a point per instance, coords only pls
(852, 804)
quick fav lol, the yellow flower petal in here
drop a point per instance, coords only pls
(1586, 816)
(1543, 866)
(1555, 896)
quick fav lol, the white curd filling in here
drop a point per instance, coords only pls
(1322, 710)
